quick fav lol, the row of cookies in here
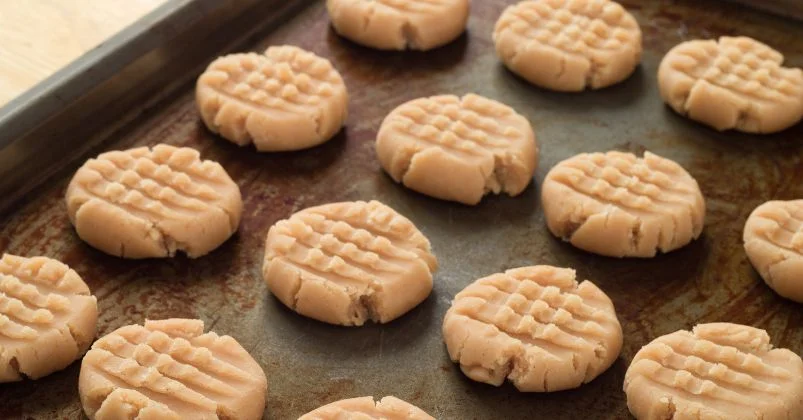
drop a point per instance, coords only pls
(290, 99)
(460, 148)
(165, 369)
(536, 326)
(166, 199)
(346, 263)
(544, 331)
(165, 238)
(730, 83)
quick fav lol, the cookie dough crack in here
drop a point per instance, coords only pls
(407, 158)
(592, 73)
(409, 35)
(16, 369)
(498, 180)
(561, 69)
(742, 118)
(364, 305)
(573, 222)
(673, 238)
(368, 17)
(740, 121)
(591, 368)
(233, 224)
(368, 306)
(299, 280)
(513, 55)
(572, 226)
(635, 234)
(670, 408)
(75, 337)
(493, 182)
(169, 244)
(768, 277)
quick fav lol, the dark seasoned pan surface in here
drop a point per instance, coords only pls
(309, 363)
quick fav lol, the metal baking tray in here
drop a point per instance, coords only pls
(789, 8)
(144, 95)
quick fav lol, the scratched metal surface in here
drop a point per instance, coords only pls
(309, 363)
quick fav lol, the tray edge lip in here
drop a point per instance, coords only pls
(23, 113)
(31, 122)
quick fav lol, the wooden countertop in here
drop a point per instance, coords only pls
(38, 37)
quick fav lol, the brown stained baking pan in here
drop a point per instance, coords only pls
(309, 363)
(790, 8)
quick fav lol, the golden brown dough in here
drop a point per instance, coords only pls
(716, 371)
(569, 45)
(152, 202)
(284, 99)
(732, 83)
(47, 317)
(619, 205)
(170, 369)
(536, 326)
(773, 240)
(458, 148)
(346, 263)
(365, 408)
(399, 24)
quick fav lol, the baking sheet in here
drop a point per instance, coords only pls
(787, 8)
(309, 363)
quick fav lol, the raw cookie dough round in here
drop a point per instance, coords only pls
(773, 240)
(48, 317)
(569, 45)
(399, 24)
(458, 148)
(284, 99)
(733, 83)
(717, 371)
(148, 203)
(170, 369)
(619, 205)
(365, 408)
(535, 326)
(345, 263)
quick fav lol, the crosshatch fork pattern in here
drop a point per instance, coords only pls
(175, 117)
(787, 233)
(349, 262)
(284, 79)
(47, 317)
(355, 247)
(731, 369)
(284, 99)
(623, 180)
(461, 126)
(172, 365)
(163, 362)
(534, 313)
(536, 326)
(742, 66)
(33, 294)
(414, 6)
(151, 184)
(574, 27)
